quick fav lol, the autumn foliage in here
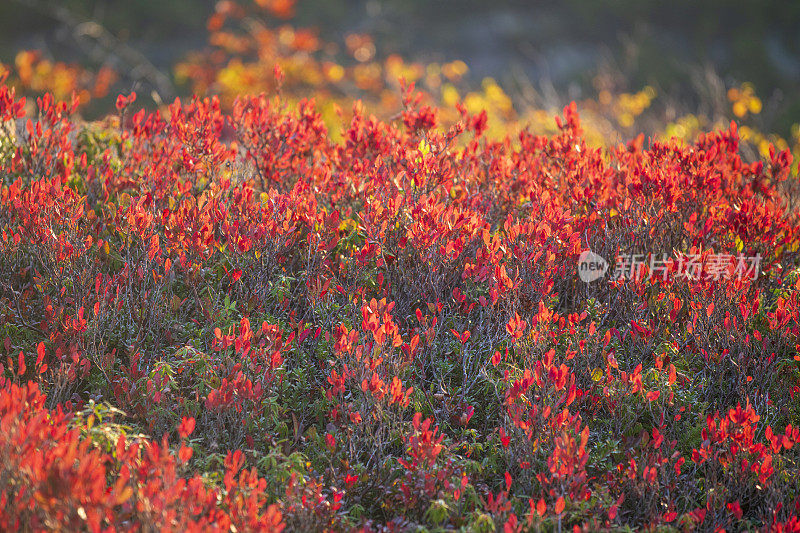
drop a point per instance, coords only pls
(232, 320)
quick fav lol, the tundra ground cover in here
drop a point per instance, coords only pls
(234, 320)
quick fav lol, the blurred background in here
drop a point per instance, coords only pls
(644, 66)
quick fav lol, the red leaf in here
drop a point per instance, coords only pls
(330, 441)
(40, 354)
(21, 365)
(186, 427)
(184, 454)
(505, 440)
(124, 101)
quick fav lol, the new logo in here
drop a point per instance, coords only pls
(591, 266)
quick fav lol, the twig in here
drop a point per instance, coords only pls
(93, 36)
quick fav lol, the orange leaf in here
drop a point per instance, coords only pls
(560, 505)
(184, 454)
(541, 507)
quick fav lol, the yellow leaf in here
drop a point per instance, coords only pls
(597, 374)
(124, 199)
(424, 147)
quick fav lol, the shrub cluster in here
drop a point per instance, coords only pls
(231, 321)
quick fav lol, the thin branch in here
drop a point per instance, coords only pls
(100, 45)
